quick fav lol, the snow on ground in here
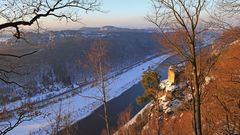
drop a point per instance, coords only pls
(168, 105)
(62, 89)
(81, 106)
(167, 86)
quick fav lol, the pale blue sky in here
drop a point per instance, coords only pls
(121, 13)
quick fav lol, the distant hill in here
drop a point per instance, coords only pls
(43, 38)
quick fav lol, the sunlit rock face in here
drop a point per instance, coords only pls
(171, 75)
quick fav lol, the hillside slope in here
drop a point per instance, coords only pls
(220, 106)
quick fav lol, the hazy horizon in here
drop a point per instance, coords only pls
(115, 13)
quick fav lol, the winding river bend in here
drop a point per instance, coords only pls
(94, 123)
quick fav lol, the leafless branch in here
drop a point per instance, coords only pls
(22, 115)
(18, 56)
(26, 13)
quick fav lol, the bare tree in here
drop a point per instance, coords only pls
(6, 71)
(11, 119)
(124, 116)
(178, 22)
(97, 61)
(59, 122)
(17, 13)
(224, 14)
(221, 102)
(230, 6)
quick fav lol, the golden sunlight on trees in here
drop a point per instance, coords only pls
(221, 104)
(182, 17)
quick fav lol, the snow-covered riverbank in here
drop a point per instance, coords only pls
(81, 105)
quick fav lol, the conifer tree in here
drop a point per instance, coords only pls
(150, 81)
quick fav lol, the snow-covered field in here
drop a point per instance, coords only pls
(80, 105)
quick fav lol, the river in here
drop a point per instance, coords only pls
(94, 123)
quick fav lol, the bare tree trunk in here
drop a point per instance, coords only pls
(106, 118)
(194, 112)
(98, 64)
(197, 99)
(104, 100)
(197, 105)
